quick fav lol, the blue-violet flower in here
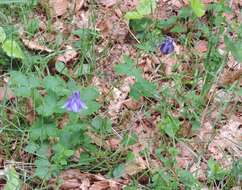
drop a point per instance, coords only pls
(167, 46)
(74, 103)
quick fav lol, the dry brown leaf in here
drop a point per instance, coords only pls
(169, 63)
(113, 143)
(134, 167)
(78, 4)
(201, 46)
(119, 95)
(59, 7)
(35, 46)
(6, 93)
(185, 156)
(107, 3)
(100, 185)
(227, 142)
(30, 115)
(96, 139)
(75, 179)
(132, 104)
(69, 55)
(229, 77)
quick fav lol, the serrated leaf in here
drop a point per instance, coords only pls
(12, 49)
(198, 7)
(2, 35)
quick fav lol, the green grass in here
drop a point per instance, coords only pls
(41, 150)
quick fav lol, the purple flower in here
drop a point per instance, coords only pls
(167, 46)
(74, 103)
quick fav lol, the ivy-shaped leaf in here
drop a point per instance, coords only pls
(12, 49)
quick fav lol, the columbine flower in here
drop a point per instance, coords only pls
(74, 103)
(167, 46)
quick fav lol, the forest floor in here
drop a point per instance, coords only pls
(120, 94)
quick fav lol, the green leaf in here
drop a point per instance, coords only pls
(129, 139)
(92, 107)
(13, 182)
(170, 126)
(89, 93)
(49, 105)
(118, 171)
(61, 68)
(55, 84)
(145, 7)
(128, 68)
(235, 47)
(12, 49)
(42, 168)
(102, 125)
(31, 148)
(2, 35)
(198, 7)
(143, 88)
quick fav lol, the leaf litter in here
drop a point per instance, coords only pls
(226, 140)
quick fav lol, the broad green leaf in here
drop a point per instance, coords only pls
(145, 7)
(102, 125)
(55, 84)
(92, 107)
(31, 148)
(49, 105)
(128, 68)
(89, 93)
(198, 7)
(42, 168)
(12, 49)
(119, 171)
(13, 182)
(2, 35)
(143, 88)
(170, 126)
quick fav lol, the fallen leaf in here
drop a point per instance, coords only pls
(229, 77)
(134, 167)
(59, 7)
(169, 63)
(75, 179)
(70, 54)
(132, 104)
(201, 46)
(225, 146)
(30, 112)
(6, 93)
(119, 95)
(107, 3)
(35, 46)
